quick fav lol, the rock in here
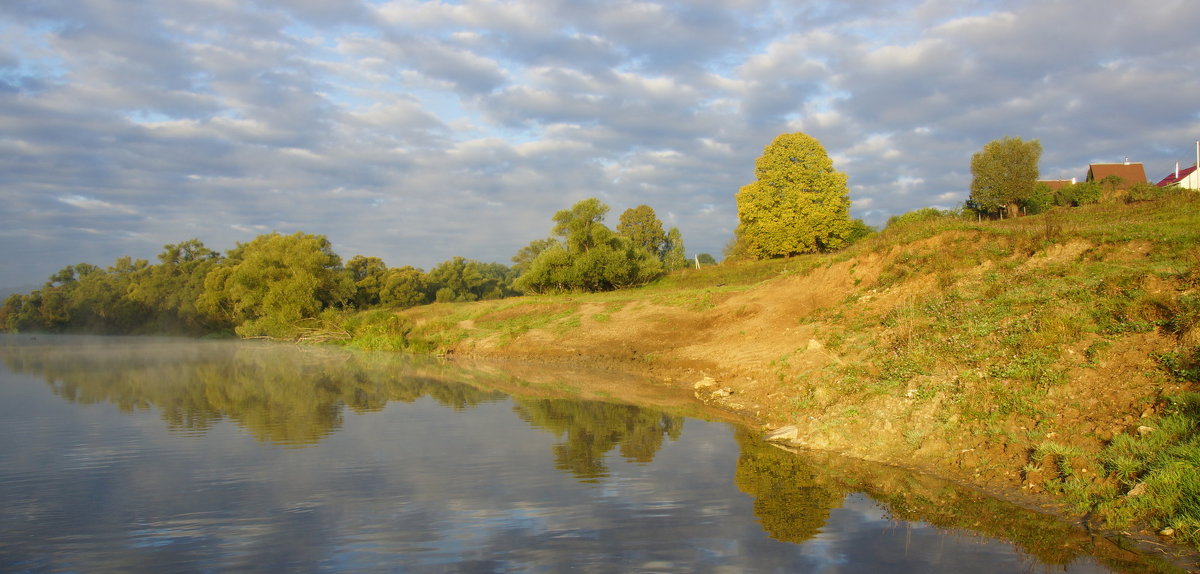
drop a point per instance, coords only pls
(1167, 532)
(704, 383)
(786, 433)
(815, 345)
(725, 392)
(1138, 490)
(1145, 430)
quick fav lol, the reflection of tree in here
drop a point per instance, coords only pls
(789, 499)
(278, 393)
(594, 428)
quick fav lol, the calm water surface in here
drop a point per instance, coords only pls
(152, 455)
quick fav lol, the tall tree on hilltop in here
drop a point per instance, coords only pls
(1004, 174)
(798, 203)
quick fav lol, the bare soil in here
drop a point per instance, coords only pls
(743, 350)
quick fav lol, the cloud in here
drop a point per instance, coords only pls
(418, 131)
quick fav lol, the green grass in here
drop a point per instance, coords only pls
(1154, 478)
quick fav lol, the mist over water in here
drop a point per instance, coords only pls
(161, 455)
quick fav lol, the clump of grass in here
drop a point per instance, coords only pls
(1154, 476)
(1060, 456)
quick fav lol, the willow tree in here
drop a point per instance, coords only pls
(798, 203)
(1003, 175)
(643, 227)
(272, 284)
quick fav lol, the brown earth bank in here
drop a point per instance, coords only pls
(814, 351)
(746, 351)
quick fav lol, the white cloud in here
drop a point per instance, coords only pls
(417, 131)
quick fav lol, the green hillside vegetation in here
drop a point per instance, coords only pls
(1002, 338)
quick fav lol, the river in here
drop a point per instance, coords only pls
(162, 455)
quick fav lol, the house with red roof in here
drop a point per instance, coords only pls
(1186, 178)
(1127, 174)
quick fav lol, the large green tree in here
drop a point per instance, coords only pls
(642, 226)
(272, 284)
(405, 287)
(369, 275)
(1003, 175)
(798, 203)
(171, 289)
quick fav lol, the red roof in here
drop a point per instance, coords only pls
(1130, 173)
(1173, 179)
(1055, 184)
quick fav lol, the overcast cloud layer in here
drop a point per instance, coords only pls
(418, 131)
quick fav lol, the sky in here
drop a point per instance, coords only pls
(420, 131)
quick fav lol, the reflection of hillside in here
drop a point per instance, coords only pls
(795, 490)
(278, 393)
(593, 429)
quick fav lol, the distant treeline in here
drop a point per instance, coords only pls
(277, 285)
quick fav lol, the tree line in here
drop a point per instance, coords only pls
(271, 286)
(275, 284)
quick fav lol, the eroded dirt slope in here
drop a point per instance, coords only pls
(772, 353)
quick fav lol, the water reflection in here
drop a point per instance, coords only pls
(280, 394)
(796, 492)
(449, 480)
(593, 429)
(790, 498)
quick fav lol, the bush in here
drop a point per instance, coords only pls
(1077, 194)
(1040, 201)
(1145, 192)
(919, 215)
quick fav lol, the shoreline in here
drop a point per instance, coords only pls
(675, 377)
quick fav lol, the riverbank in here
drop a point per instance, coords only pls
(1052, 355)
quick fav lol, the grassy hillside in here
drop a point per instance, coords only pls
(1056, 353)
